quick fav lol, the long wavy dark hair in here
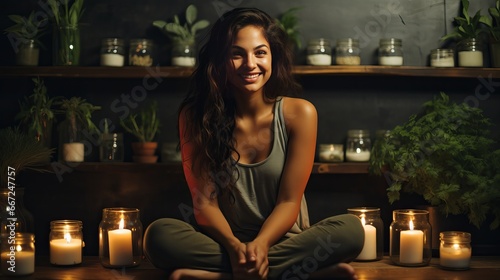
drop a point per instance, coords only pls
(210, 107)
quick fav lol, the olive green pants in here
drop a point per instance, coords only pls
(171, 243)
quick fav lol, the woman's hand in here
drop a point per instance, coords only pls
(249, 261)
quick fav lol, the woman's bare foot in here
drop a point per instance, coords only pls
(196, 274)
(338, 271)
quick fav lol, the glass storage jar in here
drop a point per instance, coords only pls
(112, 52)
(390, 52)
(66, 242)
(347, 52)
(455, 250)
(111, 147)
(373, 248)
(470, 53)
(141, 52)
(120, 237)
(358, 145)
(319, 52)
(442, 58)
(18, 256)
(410, 238)
(331, 152)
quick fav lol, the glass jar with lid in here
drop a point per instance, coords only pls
(319, 52)
(390, 52)
(442, 58)
(347, 52)
(66, 242)
(455, 250)
(358, 145)
(112, 52)
(410, 238)
(373, 248)
(141, 52)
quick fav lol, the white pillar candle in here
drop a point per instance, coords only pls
(20, 263)
(67, 251)
(369, 251)
(454, 256)
(120, 246)
(73, 152)
(411, 246)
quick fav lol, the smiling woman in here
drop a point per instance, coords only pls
(247, 150)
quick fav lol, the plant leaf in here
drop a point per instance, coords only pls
(191, 14)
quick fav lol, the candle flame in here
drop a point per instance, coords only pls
(121, 224)
(67, 236)
(19, 248)
(456, 246)
(411, 225)
(363, 221)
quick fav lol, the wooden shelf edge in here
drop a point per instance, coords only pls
(299, 70)
(176, 167)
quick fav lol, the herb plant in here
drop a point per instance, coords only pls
(289, 22)
(445, 155)
(185, 33)
(78, 111)
(25, 29)
(467, 27)
(37, 112)
(145, 125)
(493, 23)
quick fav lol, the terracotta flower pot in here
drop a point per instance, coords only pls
(144, 152)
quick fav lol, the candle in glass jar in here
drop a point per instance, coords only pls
(369, 251)
(411, 245)
(18, 263)
(120, 246)
(67, 251)
(454, 256)
(357, 155)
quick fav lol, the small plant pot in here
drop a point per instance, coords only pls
(145, 152)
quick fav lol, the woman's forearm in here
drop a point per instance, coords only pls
(278, 223)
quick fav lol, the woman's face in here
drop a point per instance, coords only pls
(250, 60)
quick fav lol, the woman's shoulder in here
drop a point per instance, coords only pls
(297, 107)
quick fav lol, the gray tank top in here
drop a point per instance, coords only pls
(256, 190)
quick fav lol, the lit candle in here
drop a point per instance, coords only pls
(67, 251)
(411, 245)
(357, 155)
(17, 262)
(454, 256)
(120, 246)
(369, 251)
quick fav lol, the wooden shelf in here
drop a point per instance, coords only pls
(300, 70)
(176, 168)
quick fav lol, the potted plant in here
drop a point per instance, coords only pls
(468, 33)
(37, 113)
(24, 36)
(77, 123)
(444, 154)
(144, 126)
(183, 36)
(66, 17)
(493, 27)
(289, 21)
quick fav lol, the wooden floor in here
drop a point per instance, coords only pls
(482, 268)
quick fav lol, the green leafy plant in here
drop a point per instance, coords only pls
(145, 125)
(66, 18)
(493, 22)
(183, 32)
(78, 111)
(467, 27)
(18, 152)
(37, 112)
(25, 29)
(289, 21)
(445, 155)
